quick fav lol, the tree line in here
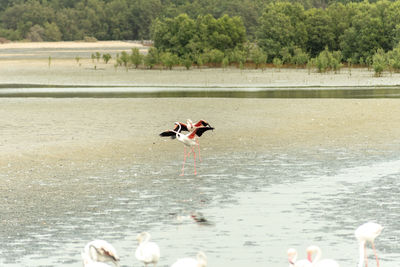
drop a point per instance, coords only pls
(322, 33)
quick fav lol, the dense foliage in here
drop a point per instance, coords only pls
(217, 31)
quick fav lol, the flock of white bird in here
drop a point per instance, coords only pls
(96, 253)
(364, 233)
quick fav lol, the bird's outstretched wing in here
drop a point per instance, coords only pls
(199, 131)
(169, 133)
(202, 123)
(183, 127)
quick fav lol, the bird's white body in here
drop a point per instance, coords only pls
(367, 232)
(293, 262)
(200, 261)
(190, 141)
(316, 262)
(101, 251)
(88, 262)
(147, 252)
(184, 138)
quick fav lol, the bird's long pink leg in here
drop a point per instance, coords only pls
(365, 255)
(198, 146)
(376, 256)
(184, 160)
(194, 156)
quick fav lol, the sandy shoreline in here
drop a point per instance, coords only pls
(69, 72)
(28, 63)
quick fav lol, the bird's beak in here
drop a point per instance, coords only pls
(309, 256)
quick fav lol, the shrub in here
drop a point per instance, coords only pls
(258, 56)
(215, 56)
(124, 59)
(90, 39)
(187, 61)
(152, 57)
(169, 60)
(238, 56)
(299, 56)
(106, 57)
(36, 33)
(379, 62)
(136, 57)
(277, 62)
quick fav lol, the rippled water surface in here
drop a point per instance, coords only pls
(259, 204)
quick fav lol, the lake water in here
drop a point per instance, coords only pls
(33, 90)
(260, 204)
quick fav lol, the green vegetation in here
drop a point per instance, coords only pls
(106, 57)
(220, 32)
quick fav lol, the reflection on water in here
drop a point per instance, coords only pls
(26, 90)
(260, 204)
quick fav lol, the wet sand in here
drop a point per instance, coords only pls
(47, 131)
(45, 137)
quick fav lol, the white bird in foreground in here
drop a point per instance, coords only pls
(367, 232)
(100, 251)
(293, 262)
(200, 261)
(311, 250)
(147, 252)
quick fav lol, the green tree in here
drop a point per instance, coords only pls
(169, 60)
(51, 32)
(215, 56)
(136, 57)
(281, 25)
(258, 56)
(238, 55)
(187, 61)
(379, 62)
(319, 31)
(36, 33)
(174, 34)
(124, 59)
(299, 57)
(106, 57)
(152, 57)
(277, 62)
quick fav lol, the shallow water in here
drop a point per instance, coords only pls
(259, 204)
(34, 90)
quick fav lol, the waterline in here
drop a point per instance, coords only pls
(63, 91)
